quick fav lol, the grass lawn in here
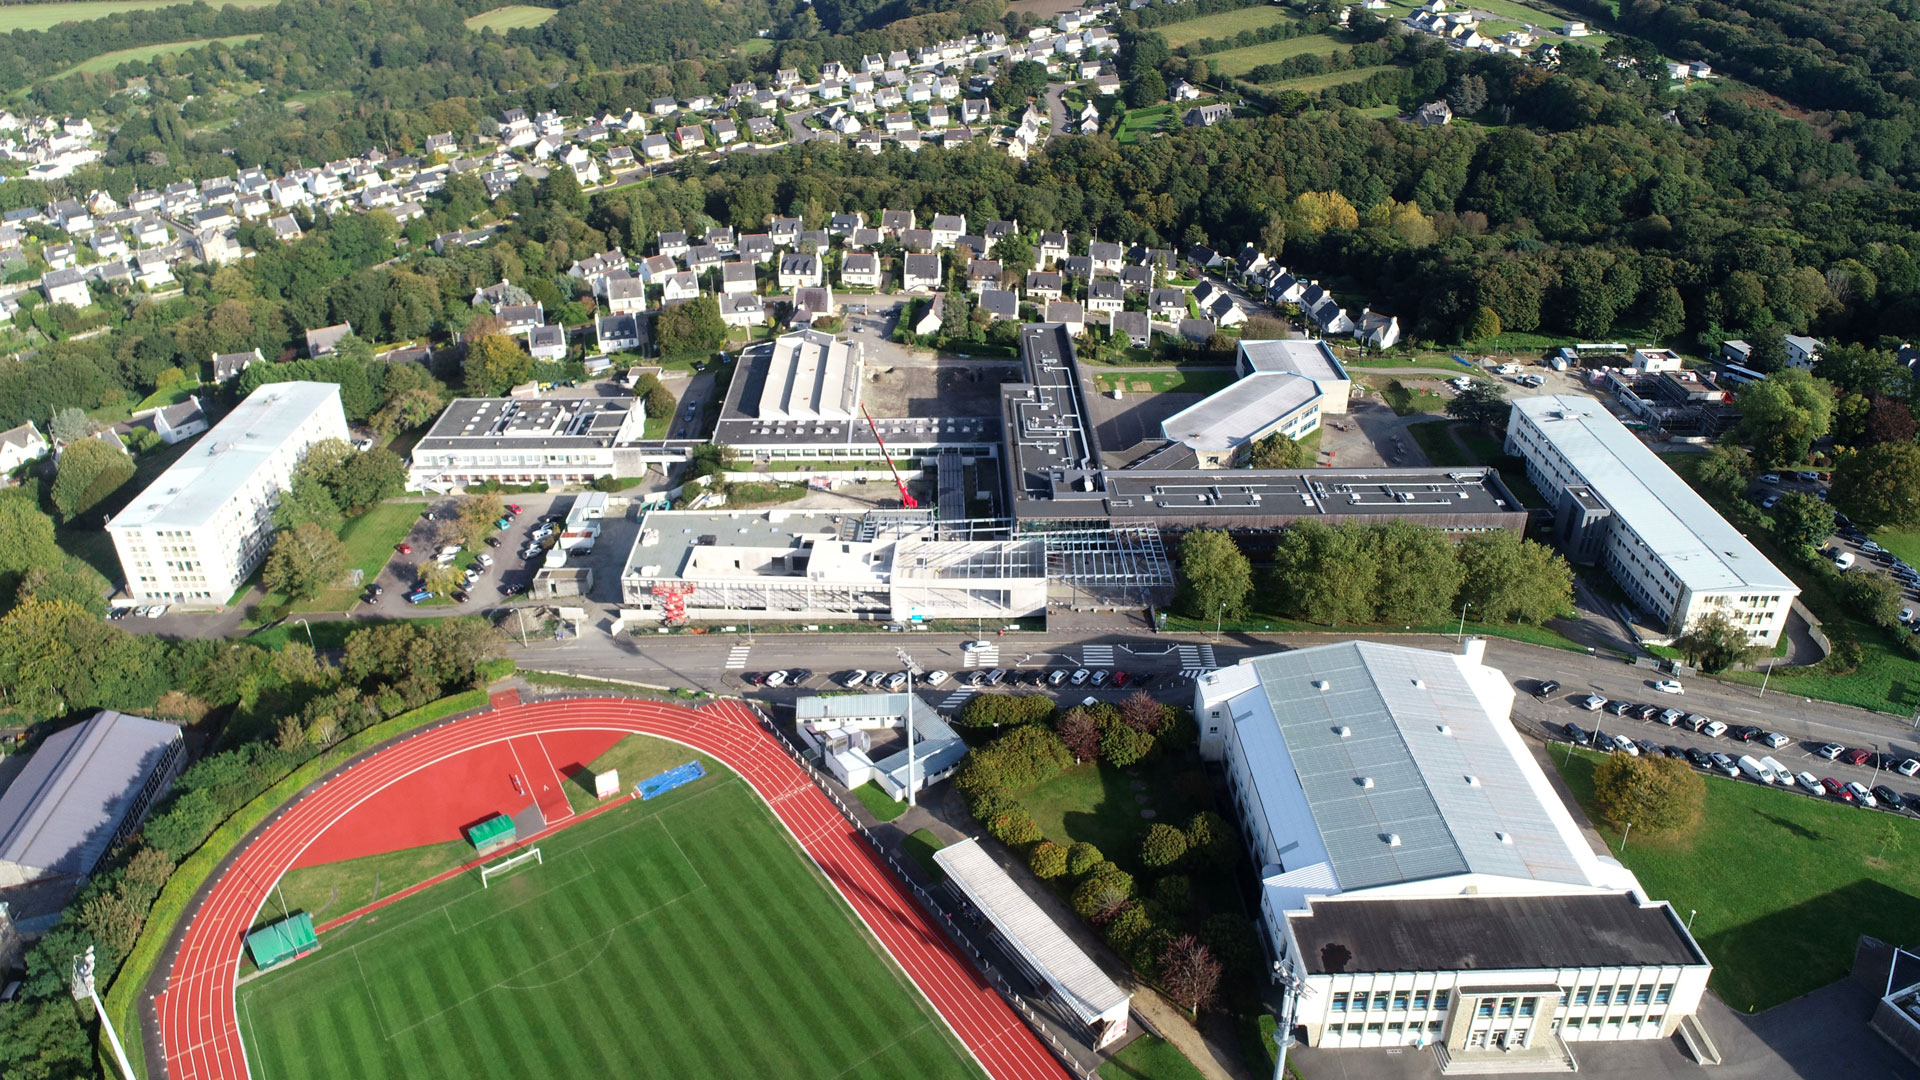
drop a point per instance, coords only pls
(42, 16)
(921, 844)
(1783, 883)
(1241, 61)
(511, 17)
(755, 46)
(745, 495)
(1224, 25)
(1313, 84)
(107, 61)
(370, 540)
(650, 941)
(1098, 803)
(1149, 1057)
(1138, 122)
(172, 395)
(1888, 677)
(636, 758)
(881, 805)
(1405, 400)
(1195, 381)
(333, 889)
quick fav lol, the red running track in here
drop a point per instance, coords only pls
(200, 1035)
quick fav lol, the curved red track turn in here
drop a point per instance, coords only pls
(198, 1029)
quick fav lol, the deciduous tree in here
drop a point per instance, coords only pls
(1879, 487)
(1508, 579)
(1714, 642)
(1801, 521)
(304, 560)
(1190, 973)
(88, 472)
(1483, 402)
(1215, 576)
(1655, 794)
(1277, 451)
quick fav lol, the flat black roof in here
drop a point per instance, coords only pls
(1488, 933)
(1409, 493)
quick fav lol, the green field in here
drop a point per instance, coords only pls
(1224, 25)
(42, 16)
(1783, 883)
(685, 936)
(511, 17)
(1149, 1057)
(1313, 84)
(370, 540)
(1195, 381)
(1241, 61)
(110, 60)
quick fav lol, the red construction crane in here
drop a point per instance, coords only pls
(673, 600)
(906, 500)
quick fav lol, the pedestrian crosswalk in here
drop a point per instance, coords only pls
(1096, 656)
(985, 656)
(1196, 660)
(957, 698)
(737, 657)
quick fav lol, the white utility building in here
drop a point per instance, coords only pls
(201, 529)
(1421, 881)
(856, 737)
(1616, 503)
(1218, 428)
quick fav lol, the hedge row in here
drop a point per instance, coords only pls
(123, 997)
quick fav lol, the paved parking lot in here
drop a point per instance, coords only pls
(509, 567)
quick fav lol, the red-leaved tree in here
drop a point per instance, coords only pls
(1189, 972)
(1081, 732)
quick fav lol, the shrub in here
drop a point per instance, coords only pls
(1047, 860)
(1164, 846)
(1122, 745)
(1174, 894)
(1004, 710)
(1128, 927)
(1082, 857)
(1141, 713)
(1103, 895)
(1233, 939)
(1013, 827)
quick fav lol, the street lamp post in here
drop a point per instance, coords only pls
(913, 761)
(1464, 605)
(1691, 912)
(309, 627)
(1218, 616)
(1763, 680)
(83, 988)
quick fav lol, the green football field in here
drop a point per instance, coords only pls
(686, 937)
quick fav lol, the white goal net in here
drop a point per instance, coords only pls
(487, 873)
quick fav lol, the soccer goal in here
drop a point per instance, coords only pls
(532, 854)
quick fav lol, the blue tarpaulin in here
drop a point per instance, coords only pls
(1465, 363)
(667, 781)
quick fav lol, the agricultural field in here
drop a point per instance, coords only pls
(1313, 84)
(107, 61)
(1224, 25)
(1240, 61)
(42, 16)
(511, 17)
(684, 936)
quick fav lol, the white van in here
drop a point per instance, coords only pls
(1781, 774)
(1755, 770)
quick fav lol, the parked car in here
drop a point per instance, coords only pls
(419, 596)
(1907, 767)
(1646, 712)
(1619, 708)
(1744, 732)
(897, 680)
(460, 596)
(1059, 676)
(1649, 748)
(1910, 800)
(1670, 717)
(1669, 686)
(1769, 478)
(1861, 796)
(1836, 789)
(1724, 763)
(1099, 678)
(935, 678)
(1854, 757)
(1120, 678)
(877, 679)
(1593, 702)
(996, 676)
(1781, 774)
(405, 549)
(1754, 769)
(1698, 758)
(854, 679)
(1546, 689)
(484, 559)
(492, 541)
(1080, 677)
(754, 678)
(1624, 745)
(1774, 740)
(513, 509)
(1886, 796)
(776, 678)
(514, 589)
(1829, 750)
(1843, 561)
(1578, 735)
(1713, 729)
(798, 676)
(1810, 782)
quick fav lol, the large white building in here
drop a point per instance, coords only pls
(1616, 503)
(554, 441)
(811, 376)
(791, 564)
(201, 529)
(1308, 358)
(1421, 881)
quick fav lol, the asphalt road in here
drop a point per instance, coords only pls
(703, 661)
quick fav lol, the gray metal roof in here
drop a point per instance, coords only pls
(1311, 358)
(1405, 773)
(1025, 927)
(66, 806)
(1692, 540)
(1241, 411)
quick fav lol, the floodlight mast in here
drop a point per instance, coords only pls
(83, 988)
(906, 500)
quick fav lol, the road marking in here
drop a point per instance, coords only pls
(957, 698)
(737, 657)
(1096, 656)
(986, 656)
(1197, 656)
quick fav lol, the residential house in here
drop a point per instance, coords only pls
(738, 277)
(920, 240)
(702, 257)
(681, 286)
(784, 231)
(1432, 114)
(690, 137)
(1044, 285)
(1376, 330)
(1053, 247)
(1221, 310)
(626, 295)
(1106, 296)
(325, 340)
(809, 303)
(755, 247)
(656, 148)
(743, 309)
(21, 445)
(947, 228)
(67, 286)
(230, 365)
(618, 332)
(547, 342)
(1207, 115)
(983, 274)
(845, 224)
(1069, 313)
(722, 237)
(860, 269)
(800, 270)
(594, 269)
(922, 273)
(1078, 267)
(1137, 327)
(725, 132)
(522, 318)
(1136, 278)
(895, 222)
(1106, 257)
(1802, 351)
(1168, 304)
(999, 304)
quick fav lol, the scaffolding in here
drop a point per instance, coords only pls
(1123, 565)
(951, 501)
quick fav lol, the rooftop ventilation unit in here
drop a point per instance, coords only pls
(1343, 731)
(1505, 838)
(1393, 839)
(1366, 783)
(1473, 781)
(1322, 684)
